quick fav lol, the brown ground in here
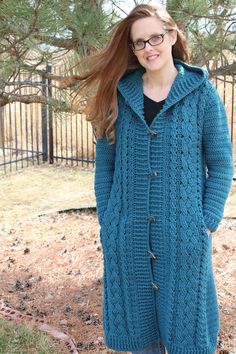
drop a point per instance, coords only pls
(51, 266)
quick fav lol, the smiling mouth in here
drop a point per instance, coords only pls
(152, 57)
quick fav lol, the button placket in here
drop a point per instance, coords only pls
(154, 286)
(152, 133)
(152, 218)
(152, 255)
(152, 174)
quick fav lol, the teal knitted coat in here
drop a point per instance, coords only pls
(157, 190)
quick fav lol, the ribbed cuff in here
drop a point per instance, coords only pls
(211, 223)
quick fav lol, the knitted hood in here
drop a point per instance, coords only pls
(188, 79)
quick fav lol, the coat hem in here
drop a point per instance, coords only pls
(129, 343)
(173, 349)
(137, 344)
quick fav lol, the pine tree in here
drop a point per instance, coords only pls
(210, 29)
(36, 32)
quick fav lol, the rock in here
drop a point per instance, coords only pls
(78, 297)
(68, 310)
(63, 322)
(11, 260)
(18, 286)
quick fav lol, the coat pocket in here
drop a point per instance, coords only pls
(204, 228)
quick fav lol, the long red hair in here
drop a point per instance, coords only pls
(106, 67)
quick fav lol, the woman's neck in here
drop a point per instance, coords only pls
(159, 79)
(157, 85)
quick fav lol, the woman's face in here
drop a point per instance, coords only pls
(153, 58)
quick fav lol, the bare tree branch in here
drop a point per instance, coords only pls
(223, 70)
(119, 8)
(209, 17)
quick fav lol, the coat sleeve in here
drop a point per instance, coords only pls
(104, 170)
(217, 148)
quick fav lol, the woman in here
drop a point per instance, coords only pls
(163, 172)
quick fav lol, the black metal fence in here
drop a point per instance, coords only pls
(32, 134)
(225, 85)
(20, 135)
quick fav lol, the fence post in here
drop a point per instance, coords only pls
(44, 122)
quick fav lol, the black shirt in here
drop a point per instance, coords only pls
(151, 109)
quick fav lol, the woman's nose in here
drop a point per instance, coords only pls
(147, 46)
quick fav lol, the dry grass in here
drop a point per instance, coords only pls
(43, 189)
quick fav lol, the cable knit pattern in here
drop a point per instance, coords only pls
(157, 190)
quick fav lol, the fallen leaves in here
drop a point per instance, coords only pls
(60, 280)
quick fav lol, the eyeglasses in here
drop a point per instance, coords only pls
(153, 41)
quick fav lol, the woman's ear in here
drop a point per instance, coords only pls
(132, 50)
(173, 35)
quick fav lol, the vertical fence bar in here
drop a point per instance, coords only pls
(61, 137)
(44, 122)
(37, 125)
(2, 138)
(76, 139)
(32, 132)
(71, 138)
(21, 128)
(15, 135)
(87, 141)
(66, 137)
(26, 132)
(60, 126)
(55, 125)
(50, 118)
(56, 135)
(224, 96)
(82, 139)
(9, 147)
(232, 109)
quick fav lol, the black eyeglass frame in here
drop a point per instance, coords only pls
(132, 44)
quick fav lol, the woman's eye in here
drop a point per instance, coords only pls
(139, 42)
(155, 39)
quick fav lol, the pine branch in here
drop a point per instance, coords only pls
(43, 73)
(6, 98)
(68, 43)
